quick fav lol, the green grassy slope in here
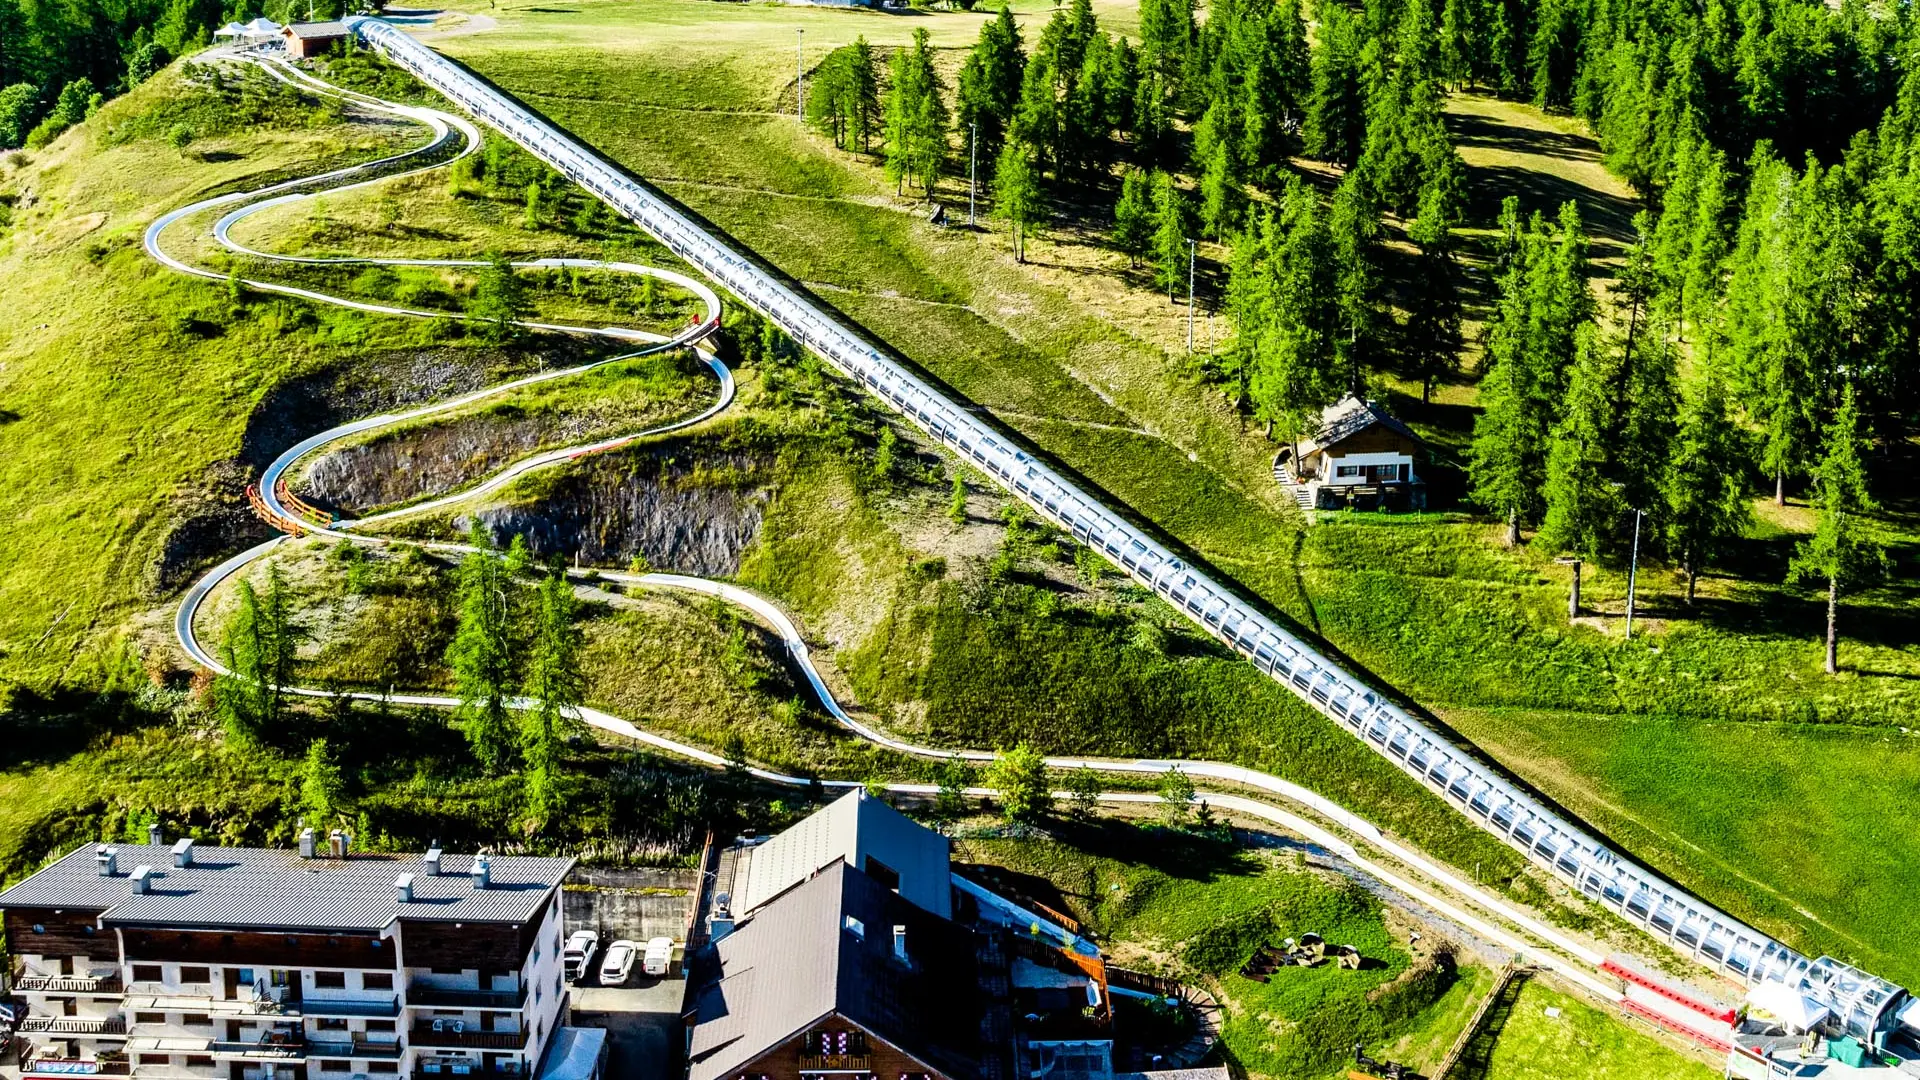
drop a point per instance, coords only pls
(1071, 353)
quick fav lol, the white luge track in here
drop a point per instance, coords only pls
(1668, 913)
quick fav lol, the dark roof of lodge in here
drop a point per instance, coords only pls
(267, 888)
(1350, 416)
(797, 959)
(317, 30)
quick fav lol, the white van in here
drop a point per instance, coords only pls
(659, 956)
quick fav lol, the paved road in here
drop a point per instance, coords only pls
(645, 1037)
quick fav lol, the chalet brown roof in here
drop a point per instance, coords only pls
(1348, 417)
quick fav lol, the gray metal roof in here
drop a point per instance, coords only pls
(855, 828)
(1349, 417)
(270, 888)
(797, 960)
(317, 30)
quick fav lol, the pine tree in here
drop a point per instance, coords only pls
(989, 89)
(499, 302)
(1223, 197)
(1172, 224)
(1433, 326)
(1353, 227)
(1291, 379)
(1673, 237)
(481, 653)
(1459, 44)
(1646, 400)
(1582, 506)
(1133, 216)
(1707, 503)
(1521, 384)
(1707, 252)
(861, 105)
(555, 688)
(1336, 121)
(927, 122)
(321, 782)
(1016, 194)
(957, 501)
(1036, 122)
(1843, 549)
(259, 652)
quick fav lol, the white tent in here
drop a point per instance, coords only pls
(1787, 1006)
(232, 29)
(261, 29)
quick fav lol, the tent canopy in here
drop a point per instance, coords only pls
(1787, 1005)
(232, 29)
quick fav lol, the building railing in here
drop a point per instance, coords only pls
(442, 1069)
(424, 1035)
(319, 1005)
(352, 1048)
(430, 997)
(68, 984)
(73, 1025)
(267, 1046)
(48, 1066)
(836, 1062)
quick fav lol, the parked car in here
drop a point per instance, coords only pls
(577, 958)
(659, 956)
(619, 962)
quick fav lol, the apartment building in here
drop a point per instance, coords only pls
(183, 962)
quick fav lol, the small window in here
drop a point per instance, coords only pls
(329, 980)
(334, 1066)
(199, 1061)
(376, 980)
(147, 973)
(856, 927)
(887, 877)
(200, 1019)
(155, 1059)
(195, 975)
(383, 1068)
(149, 1018)
(332, 1023)
(380, 1025)
(448, 971)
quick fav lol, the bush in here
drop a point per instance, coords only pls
(1227, 945)
(16, 113)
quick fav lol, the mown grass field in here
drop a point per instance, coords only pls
(1074, 355)
(1582, 1041)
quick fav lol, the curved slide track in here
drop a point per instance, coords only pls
(1670, 914)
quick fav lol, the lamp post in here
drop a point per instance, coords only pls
(1190, 260)
(799, 75)
(1633, 570)
(973, 161)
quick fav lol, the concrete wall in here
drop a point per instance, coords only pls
(633, 904)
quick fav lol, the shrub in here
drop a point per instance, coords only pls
(1228, 944)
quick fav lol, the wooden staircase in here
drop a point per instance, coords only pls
(1472, 1052)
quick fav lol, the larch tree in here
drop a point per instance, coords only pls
(1353, 227)
(1707, 504)
(555, 688)
(1133, 216)
(1433, 326)
(1292, 378)
(1016, 193)
(1019, 776)
(1223, 193)
(1336, 120)
(1172, 225)
(989, 89)
(1844, 549)
(499, 301)
(481, 653)
(1583, 507)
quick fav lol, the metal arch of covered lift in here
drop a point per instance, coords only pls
(1694, 928)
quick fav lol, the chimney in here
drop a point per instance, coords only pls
(306, 843)
(433, 861)
(339, 843)
(107, 859)
(482, 872)
(404, 886)
(154, 836)
(142, 880)
(183, 851)
(900, 944)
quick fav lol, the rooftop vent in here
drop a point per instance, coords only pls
(308, 845)
(404, 886)
(154, 836)
(900, 943)
(341, 843)
(107, 859)
(183, 851)
(482, 872)
(433, 860)
(142, 880)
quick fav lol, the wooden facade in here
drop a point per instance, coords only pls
(66, 932)
(257, 949)
(788, 1060)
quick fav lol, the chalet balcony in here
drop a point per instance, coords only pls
(860, 1063)
(353, 1048)
(101, 985)
(320, 1005)
(456, 1036)
(67, 1067)
(427, 997)
(41, 1024)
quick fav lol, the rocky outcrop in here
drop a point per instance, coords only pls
(693, 520)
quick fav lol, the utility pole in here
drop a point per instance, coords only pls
(1190, 253)
(1633, 570)
(973, 161)
(799, 76)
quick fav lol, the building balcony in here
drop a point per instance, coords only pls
(64, 1067)
(427, 997)
(457, 1069)
(42, 1024)
(93, 985)
(859, 1063)
(455, 1037)
(211, 1006)
(320, 1005)
(353, 1048)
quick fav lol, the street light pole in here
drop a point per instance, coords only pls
(1190, 254)
(1633, 570)
(973, 161)
(799, 75)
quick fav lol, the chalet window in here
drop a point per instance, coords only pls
(1347, 470)
(332, 1023)
(199, 1019)
(375, 980)
(835, 1042)
(195, 975)
(199, 1061)
(147, 973)
(329, 980)
(383, 1067)
(380, 1025)
(149, 1018)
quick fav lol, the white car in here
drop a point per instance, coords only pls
(577, 957)
(619, 962)
(659, 956)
